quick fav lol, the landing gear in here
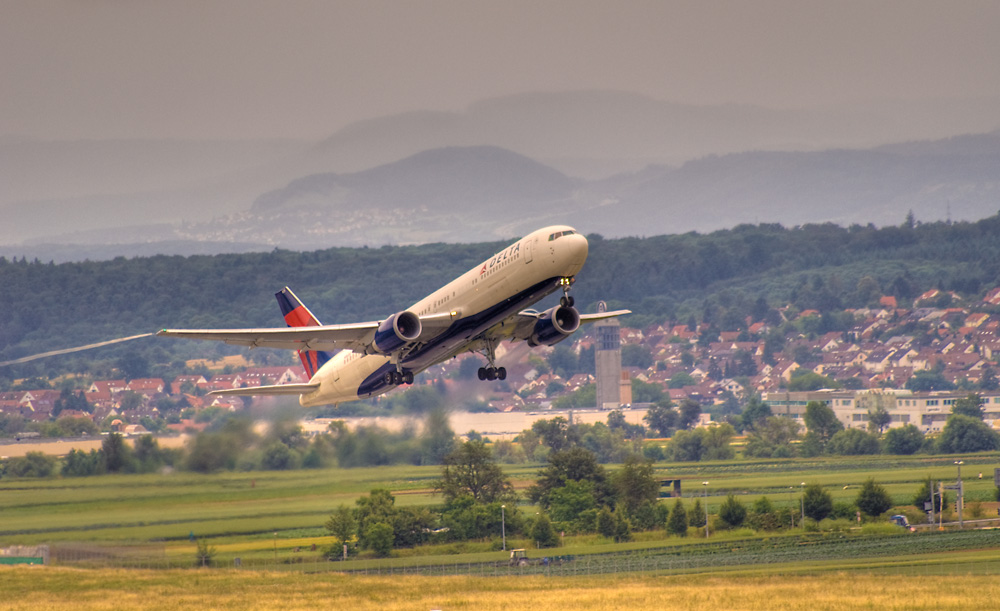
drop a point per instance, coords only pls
(397, 378)
(566, 300)
(491, 371)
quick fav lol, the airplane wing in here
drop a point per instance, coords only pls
(355, 336)
(522, 325)
(277, 389)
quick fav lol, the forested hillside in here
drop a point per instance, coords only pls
(721, 277)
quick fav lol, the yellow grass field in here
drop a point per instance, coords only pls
(61, 588)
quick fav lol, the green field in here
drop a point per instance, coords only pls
(274, 518)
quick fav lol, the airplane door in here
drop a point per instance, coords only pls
(527, 250)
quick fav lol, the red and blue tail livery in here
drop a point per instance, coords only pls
(298, 315)
(473, 313)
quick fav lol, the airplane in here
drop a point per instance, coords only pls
(473, 313)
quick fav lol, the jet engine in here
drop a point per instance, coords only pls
(554, 325)
(396, 331)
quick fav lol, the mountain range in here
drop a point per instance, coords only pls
(609, 163)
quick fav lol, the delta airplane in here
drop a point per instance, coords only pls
(473, 313)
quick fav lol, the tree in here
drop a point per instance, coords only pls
(853, 442)
(568, 503)
(773, 438)
(542, 532)
(378, 537)
(923, 496)
(376, 508)
(878, 419)
(662, 419)
(697, 517)
(715, 441)
(873, 500)
(755, 413)
(732, 512)
(437, 439)
(605, 523)
(988, 379)
(817, 502)
(689, 412)
(576, 464)
(277, 457)
(677, 522)
(341, 525)
(821, 422)
(556, 433)
(471, 469)
(970, 405)
(906, 439)
(967, 434)
(636, 355)
(635, 484)
(117, 456)
(686, 446)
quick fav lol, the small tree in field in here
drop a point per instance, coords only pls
(697, 517)
(732, 512)
(677, 522)
(873, 500)
(817, 502)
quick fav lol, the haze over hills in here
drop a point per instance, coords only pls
(607, 162)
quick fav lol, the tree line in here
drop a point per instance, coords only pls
(718, 278)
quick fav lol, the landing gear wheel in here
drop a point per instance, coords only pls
(397, 378)
(567, 301)
(491, 374)
(408, 377)
(502, 373)
(482, 373)
(388, 378)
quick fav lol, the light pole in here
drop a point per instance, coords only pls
(803, 502)
(705, 496)
(961, 494)
(503, 526)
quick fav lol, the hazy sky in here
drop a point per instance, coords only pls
(299, 68)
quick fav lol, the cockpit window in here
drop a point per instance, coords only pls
(559, 234)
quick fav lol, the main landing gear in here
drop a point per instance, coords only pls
(566, 300)
(491, 371)
(398, 378)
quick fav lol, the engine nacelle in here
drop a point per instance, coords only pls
(396, 331)
(554, 325)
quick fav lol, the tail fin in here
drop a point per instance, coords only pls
(298, 315)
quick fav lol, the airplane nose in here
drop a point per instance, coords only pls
(576, 249)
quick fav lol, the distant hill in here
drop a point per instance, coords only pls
(441, 181)
(608, 162)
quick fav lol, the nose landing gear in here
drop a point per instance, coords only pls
(567, 300)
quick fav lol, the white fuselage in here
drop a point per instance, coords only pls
(503, 285)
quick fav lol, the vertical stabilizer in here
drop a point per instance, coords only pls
(298, 315)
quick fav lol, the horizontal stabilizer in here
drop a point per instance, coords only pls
(277, 389)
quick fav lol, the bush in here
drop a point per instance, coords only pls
(542, 532)
(379, 537)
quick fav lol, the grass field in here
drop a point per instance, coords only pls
(277, 516)
(59, 588)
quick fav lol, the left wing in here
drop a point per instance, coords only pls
(357, 337)
(354, 336)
